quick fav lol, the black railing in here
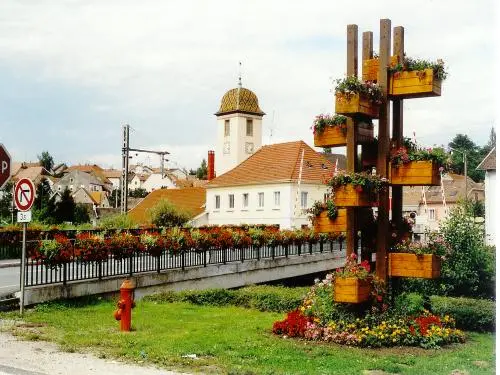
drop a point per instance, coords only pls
(38, 273)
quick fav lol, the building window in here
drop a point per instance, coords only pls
(217, 202)
(245, 200)
(261, 200)
(303, 199)
(226, 128)
(249, 127)
(231, 200)
(432, 214)
(276, 198)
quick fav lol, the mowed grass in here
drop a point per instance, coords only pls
(232, 340)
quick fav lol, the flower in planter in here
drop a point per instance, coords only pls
(411, 152)
(322, 121)
(202, 241)
(318, 207)
(152, 243)
(122, 245)
(353, 269)
(91, 247)
(351, 85)
(436, 245)
(55, 252)
(410, 64)
(361, 181)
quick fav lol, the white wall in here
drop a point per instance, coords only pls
(155, 182)
(490, 206)
(270, 214)
(237, 139)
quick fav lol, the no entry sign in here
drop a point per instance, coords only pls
(24, 194)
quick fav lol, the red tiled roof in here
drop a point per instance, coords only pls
(190, 200)
(277, 163)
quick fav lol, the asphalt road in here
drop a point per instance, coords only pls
(9, 280)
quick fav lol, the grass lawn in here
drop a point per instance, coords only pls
(233, 340)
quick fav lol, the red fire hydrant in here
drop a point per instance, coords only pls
(125, 305)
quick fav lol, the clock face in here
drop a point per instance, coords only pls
(226, 147)
(249, 147)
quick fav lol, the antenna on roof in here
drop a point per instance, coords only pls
(271, 128)
(239, 75)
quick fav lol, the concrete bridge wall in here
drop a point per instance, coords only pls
(230, 275)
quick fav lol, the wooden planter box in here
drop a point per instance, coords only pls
(370, 68)
(415, 173)
(426, 266)
(348, 196)
(351, 290)
(322, 224)
(414, 84)
(356, 105)
(333, 136)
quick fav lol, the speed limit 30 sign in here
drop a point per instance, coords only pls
(24, 194)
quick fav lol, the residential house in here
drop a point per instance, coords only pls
(275, 185)
(114, 176)
(489, 166)
(432, 210)
(94, 170)
(190, 200)
(34, 171)
(156, 181)
(76, 179)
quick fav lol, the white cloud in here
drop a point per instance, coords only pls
(166, 64)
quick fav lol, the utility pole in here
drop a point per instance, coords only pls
(125, 159)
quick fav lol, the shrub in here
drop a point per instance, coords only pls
(165, 214)
(409, 304)
(119, 221)
(470, 314)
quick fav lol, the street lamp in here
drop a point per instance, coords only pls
(464, 156)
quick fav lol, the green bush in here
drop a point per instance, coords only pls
(470, 314)
(264, 298)
(119, 221)
(165, 214)
(409, 304)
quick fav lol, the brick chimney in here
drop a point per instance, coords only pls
(211, 165)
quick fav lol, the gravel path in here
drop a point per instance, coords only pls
(39, 357)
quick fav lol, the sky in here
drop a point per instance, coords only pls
(74, 72)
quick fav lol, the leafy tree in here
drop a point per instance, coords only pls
(81, 214)
(138, 193)
(475, 154)
(43, 193)
(327, 150)
(492, 141)
(115, 197)
(165, 214)
(202, 171)
(46, 160)
(6, 202)
(65, 208)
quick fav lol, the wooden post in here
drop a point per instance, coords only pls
(352, 69)
(397, 126)
(383, 150)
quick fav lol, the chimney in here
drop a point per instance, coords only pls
(211, 165)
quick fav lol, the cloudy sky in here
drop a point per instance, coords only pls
(73, 72)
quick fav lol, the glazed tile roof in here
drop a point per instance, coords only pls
(277, 163)
(191, 200)
(489, 162)
(239, 100)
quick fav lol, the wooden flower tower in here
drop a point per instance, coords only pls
(395, 87)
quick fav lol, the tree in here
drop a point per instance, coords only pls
(492, 141)
(165, 214)
(65, 208)
(6, 202)
(138, 193)
(81, 214)
(463, 144)
(46, 160)
(202, 171)
(327, 150)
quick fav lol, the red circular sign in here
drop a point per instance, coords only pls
(24, 194)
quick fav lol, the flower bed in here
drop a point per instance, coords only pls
(356, 98)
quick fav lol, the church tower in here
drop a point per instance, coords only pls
(239, 128)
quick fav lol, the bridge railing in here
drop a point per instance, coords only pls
(139, 262)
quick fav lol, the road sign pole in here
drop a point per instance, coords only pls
(23, 270)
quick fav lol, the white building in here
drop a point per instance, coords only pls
(489, 165)
(156, 181)
(239, 129)
(275, 185)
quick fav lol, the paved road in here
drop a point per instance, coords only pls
(9, 280)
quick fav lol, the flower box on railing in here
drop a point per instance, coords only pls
(417, 173)
(414, 84)
(333, 136)
(323, 224)
(350, 196)
(351, 289)
(427, 266)
(356, 105)
(370, 68)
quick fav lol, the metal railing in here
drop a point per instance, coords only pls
(141, 262)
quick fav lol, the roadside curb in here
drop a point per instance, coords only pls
(10, 264)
